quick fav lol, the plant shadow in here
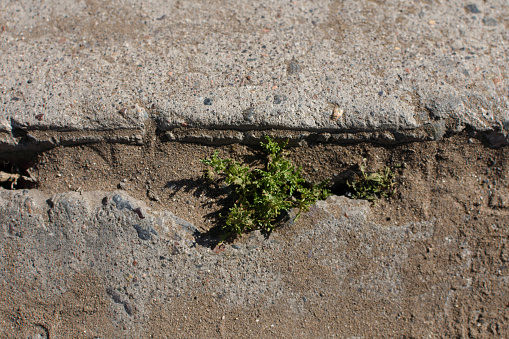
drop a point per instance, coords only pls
(219, 195)
(339, 183)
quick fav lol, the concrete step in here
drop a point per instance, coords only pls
(412, 69)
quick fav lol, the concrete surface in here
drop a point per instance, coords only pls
(433, 262)
(224, 71)
(414, 69)
(117, 268)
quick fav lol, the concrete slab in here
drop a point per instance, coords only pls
(322, 66)
(111, 268)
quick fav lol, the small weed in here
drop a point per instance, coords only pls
(262, 195)
(372, 186)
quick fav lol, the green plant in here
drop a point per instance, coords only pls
(373, 185)
(262, 195)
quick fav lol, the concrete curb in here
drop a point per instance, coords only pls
(320, 67)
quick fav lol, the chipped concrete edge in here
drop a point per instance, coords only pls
(28, 142)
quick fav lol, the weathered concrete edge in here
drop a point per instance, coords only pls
(433, 132)
(29, 141)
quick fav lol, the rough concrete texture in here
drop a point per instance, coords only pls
(102, 265)
(416, 69)
(431, 261)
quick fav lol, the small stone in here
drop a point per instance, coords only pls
(279, 99)
(489, 21)
(121, 203)
(504, 255)
(122, 185)
(140, 212)
(499, 200)
(114, 295)
(144, 234)
(337, 113)
(293, 67)
(249, 114)
(207, 101)
(128, 309)
(472, 8)
(152, 195)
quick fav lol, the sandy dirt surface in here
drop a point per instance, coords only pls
(430, 261)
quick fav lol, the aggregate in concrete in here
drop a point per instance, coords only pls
(326, 66)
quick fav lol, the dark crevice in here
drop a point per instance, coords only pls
(17, 175)
(25, 144)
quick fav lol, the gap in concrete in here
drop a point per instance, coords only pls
(167, 174)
